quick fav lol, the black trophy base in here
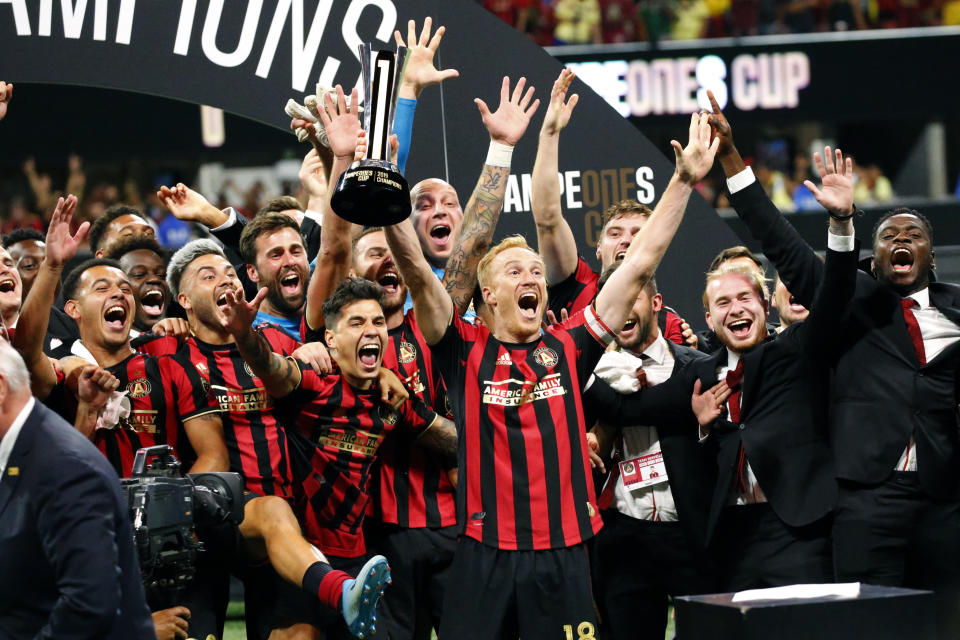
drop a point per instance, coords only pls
(372, 193)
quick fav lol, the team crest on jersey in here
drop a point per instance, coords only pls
(387, 414)
(408, 352)
(504, 360)
(138, 388)
(546, 357)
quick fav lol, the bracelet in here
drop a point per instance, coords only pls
(846, 217)
(499, 155)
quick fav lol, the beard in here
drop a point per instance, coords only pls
(644, 326)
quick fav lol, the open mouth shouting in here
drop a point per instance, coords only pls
(153, 302)
(369, 356)
(441, 234)
(529, 305)
(290, 284)
(390, 281)
(8, 285)
(629, 326)
(115, 317)
(620, 255)
(740, 329)
(901, 260)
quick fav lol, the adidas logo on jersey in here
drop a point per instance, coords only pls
(504, 360)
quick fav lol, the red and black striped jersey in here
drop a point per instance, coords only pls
(579, 290)
(164, 392)
(415, 491)
(339, 430)
(252, 424)
(525, 479)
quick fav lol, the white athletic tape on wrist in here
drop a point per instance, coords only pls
(499, 155)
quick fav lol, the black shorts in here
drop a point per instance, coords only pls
(531, 594)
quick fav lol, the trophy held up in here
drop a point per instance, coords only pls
(372, 192)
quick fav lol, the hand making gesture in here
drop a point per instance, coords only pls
(708, 405)
(836, 189)
(696, 159)
(559, 109)
(238, 314)
(420, 71)
(341, 122)
(61, 245)
(509, 122)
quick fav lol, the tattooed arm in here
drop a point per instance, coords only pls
(441, 438)
(506, 126)
(279, 375)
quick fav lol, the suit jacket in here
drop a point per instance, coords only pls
(690, 467)
(881, 395)
(67, 557)
(784, 411)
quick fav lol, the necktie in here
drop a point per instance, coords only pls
(735, 382)
(913, 328)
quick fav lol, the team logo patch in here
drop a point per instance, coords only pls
(408, 352)
(387, 414)
(546, 357)
(138, 388)
(504, 360)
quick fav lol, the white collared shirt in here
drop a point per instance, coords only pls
(938, 332)
(618, 368)
(10, 439)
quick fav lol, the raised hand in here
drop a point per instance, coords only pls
(61, 245)
(836, 190)
(95, 385)
(173, 327)
(341, 123)
(312, 177)
(188, 205)
(559, 108)
(238, 314)
(420, 71)
(695, 160)
(509, 122)
(720, 128)
(708, 405)
(315, 355)
(6, 95)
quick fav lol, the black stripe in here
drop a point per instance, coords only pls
(550, 452)
(578, 479)
(487, 472)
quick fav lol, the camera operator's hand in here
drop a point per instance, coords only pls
(171, 624)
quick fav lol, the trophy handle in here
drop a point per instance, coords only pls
(382, 74)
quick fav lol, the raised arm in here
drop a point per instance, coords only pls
(506, 126)
(190, 206)
(333, 261)
(279, 375)
(431, 302)
(61, 247)
(693, 163)
(555, 241)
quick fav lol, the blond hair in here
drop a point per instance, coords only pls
(753, 275)
(510, 242)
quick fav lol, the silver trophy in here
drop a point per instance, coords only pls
(372, 192)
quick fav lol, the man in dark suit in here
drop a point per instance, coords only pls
(651, 546)
(893, 416)
(67, 558)
(765, 421)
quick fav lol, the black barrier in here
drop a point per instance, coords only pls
(250, 57)
(820, 77)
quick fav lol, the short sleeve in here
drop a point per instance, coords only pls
(453, 346)
(591, 337)
(192, 397)
(575, 292)
(278, 339)
(416, 415)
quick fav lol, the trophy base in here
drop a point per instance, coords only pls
(372, 193)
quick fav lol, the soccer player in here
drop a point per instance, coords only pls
(10, 294)
(118, 221)
(144, 262)
(342, 418)
(526, 502)
(25, 246)
(571, 282)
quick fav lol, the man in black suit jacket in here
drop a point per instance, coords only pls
(652, 543)
(68, 565)
(893, 417)
(775, 488)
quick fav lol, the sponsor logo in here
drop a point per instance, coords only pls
(546, 357)
(241, 400)
(360, 442)
(513, 393)
(504, 360)
(408, 352)
(138, 388)
(141, 421)
(387, 414)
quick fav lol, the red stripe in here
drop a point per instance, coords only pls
(536, 475)
(473, 405)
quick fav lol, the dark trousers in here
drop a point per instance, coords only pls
(756, 549)
(495, 594)
(637, 566)
(420, 562)
(893, 534)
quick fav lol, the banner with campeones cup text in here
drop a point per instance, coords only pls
(249, 56)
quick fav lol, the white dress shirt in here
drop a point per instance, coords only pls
(618, 368)
(938, 333)
(10, 439)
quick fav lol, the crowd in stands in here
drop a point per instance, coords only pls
(561, 22)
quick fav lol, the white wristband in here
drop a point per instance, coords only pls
(499, 155)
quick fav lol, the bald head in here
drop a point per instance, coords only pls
(436, 215)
